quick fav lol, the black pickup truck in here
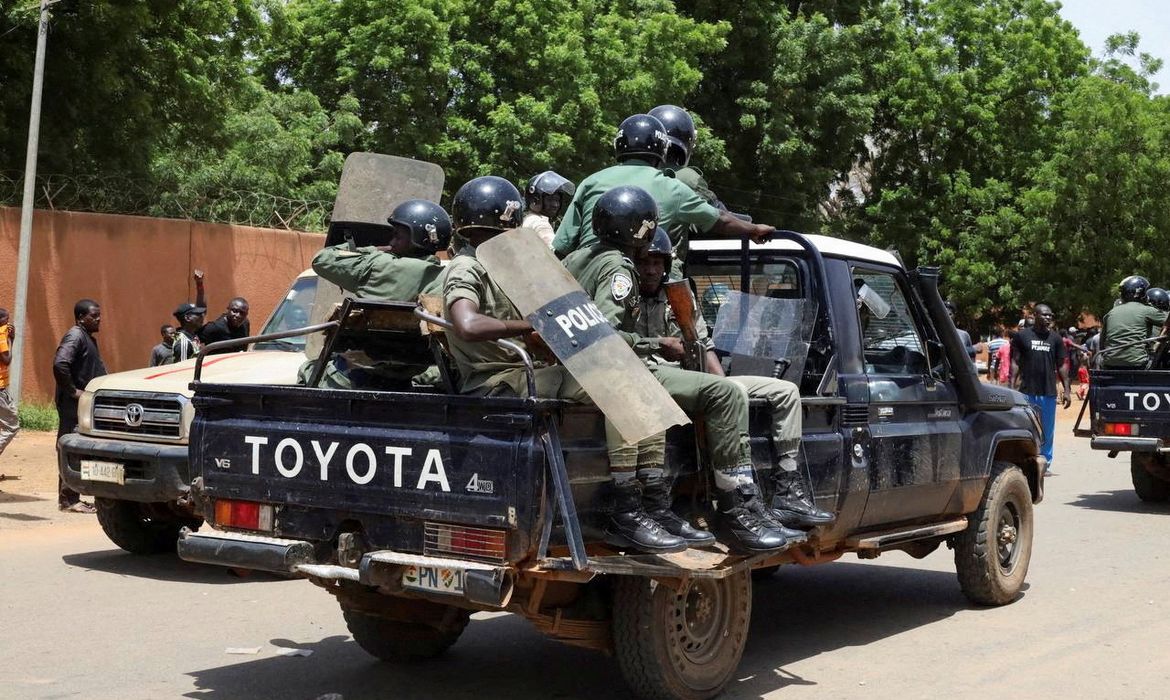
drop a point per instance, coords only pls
(416, 508)
(1129, 411)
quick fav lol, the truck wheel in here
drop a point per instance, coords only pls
(394, 640)
(680, 644)
(992, 554)
(1148, 487)
(131, 527)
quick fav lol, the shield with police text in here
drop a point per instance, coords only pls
(371, 185)
(579, 334)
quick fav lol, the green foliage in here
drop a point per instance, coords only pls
(42, 418)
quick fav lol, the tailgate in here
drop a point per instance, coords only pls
(1130, 407)
(388, 465)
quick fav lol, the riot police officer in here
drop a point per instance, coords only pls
(546, 195)
(792, 503)
(480, 311)
(1128, 322)
(682, 135)
(401, 270)
(624, 220)
(1158, 298)
(640, 149)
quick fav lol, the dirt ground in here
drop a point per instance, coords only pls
(29, 465)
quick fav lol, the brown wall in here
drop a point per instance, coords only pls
(139, 270)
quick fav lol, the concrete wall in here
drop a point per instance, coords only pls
(139, 270)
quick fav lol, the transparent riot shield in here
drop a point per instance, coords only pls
(371, 185)
(579, 335)
(769, 329)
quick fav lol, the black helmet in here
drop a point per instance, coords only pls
(1158, 298)
(546, 184)
(427, 222)
(680, 132)
(625, 217)
(489, 202)
(1133, 288)
(660, 244)
(641, 135)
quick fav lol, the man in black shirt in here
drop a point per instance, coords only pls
(77, 361)
(1037, 359)
(231, 324)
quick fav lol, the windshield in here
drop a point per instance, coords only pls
(294, 311)
(763, 332)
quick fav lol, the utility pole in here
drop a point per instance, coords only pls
(26, 208)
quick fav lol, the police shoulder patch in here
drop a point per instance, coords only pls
(621, 285)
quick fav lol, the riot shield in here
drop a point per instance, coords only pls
(579, 335)
(371, 186)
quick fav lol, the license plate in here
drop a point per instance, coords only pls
(433, 579)
(94, 470)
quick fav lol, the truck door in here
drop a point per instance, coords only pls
(913, 416)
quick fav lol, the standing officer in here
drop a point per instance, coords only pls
(1129, 322)
(480, 311)
(547, 195)
(681, 134)
(640, 149)
(398, 271)
(623, 222)
(792, 503)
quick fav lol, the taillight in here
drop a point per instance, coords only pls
(1120, 429)
(245, 515)
(461, 540)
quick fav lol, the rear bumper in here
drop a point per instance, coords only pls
(486, 585)
(154, 473)
(1128, 444)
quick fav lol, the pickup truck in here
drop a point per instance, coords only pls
(130, 448)
(1129, 411)
(416, 508)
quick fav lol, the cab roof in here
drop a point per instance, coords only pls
(829, 247)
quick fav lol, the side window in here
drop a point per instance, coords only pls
(890, 339)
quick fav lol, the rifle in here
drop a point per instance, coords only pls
(682, 303)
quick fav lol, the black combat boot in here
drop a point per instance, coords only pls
(742, 523)
(631, 528)
(657, 499)
(792, 504)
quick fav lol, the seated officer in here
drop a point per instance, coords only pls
(480, 311)
(624, 219)
(1129, 322)
(792, 503)
(397, 271)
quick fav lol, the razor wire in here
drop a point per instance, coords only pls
(115, 194)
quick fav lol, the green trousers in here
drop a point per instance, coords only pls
(721, 403)
(784, 401)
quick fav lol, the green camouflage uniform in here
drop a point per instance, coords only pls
(602, 271)
(679, 207)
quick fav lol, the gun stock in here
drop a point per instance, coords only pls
(682, 303)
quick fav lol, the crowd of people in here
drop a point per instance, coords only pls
(183, 341)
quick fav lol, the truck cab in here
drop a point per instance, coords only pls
(130, 448)
(415, 508)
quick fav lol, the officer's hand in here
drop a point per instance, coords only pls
(1066, 399)
(762, 233)
(539, 349)
(672, 349)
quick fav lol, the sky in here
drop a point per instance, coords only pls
(1097, 19)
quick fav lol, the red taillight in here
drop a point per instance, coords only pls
(245, 515)
(1120, 429)
(461, 540)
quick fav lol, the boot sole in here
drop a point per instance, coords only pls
(789, 519)
(623, 542)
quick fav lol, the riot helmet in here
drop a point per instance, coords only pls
(625, 217)
(680, 133)
(489, 204)
(641, 135)
(426, 222)
(1158, 298)
(1133, 288)
(654, 262)
(660, 244)
(548, 193)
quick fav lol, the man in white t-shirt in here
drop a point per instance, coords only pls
(546, 196)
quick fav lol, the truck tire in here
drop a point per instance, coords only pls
(992, 554)
(684, 644)
(129, 525)
(394, 640)
(1148, 487)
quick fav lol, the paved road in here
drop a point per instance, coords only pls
(79, 618)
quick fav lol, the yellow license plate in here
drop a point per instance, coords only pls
(95, 470)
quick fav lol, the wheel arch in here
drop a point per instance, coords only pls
(1019, 448)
